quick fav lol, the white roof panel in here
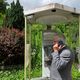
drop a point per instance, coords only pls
(52, 13)
(51, 6)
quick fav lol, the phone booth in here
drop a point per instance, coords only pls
(47, 41)
(49, 15)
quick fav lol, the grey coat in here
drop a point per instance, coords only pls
(61, 65)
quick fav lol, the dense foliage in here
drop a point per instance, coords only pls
(70, 31)
(75, 73)
(11, 46)
(1, 19)
(3, 5)
(14, 16)
(12, 74)
(36, 40)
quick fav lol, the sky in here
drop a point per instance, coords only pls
(30, 4)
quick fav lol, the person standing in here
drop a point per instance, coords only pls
(62, 59)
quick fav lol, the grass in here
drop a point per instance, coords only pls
(37, 72)
(12, 74)
(75, 73)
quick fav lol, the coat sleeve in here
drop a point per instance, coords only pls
(61, 60)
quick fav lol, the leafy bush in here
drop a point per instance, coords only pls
(11, 46)
(36, 47)
(14, 74)
(70, 31)
(37, 72)
(75, 73)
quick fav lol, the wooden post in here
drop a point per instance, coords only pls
(30, 52)
(28, 61)
(25, 48)
(27, 55)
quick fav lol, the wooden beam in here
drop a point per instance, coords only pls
(25, 49)
(29, 52)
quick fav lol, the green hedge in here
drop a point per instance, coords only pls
(15, 74)
(75, 73)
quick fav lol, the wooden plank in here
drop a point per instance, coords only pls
(25, 49)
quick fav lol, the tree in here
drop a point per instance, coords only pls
(3, 5)
(11, 15)
(19, 16)
(14, 16)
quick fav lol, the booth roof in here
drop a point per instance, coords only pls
(51, 14)
(50, 7)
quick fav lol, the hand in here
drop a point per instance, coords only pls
(55, 47)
